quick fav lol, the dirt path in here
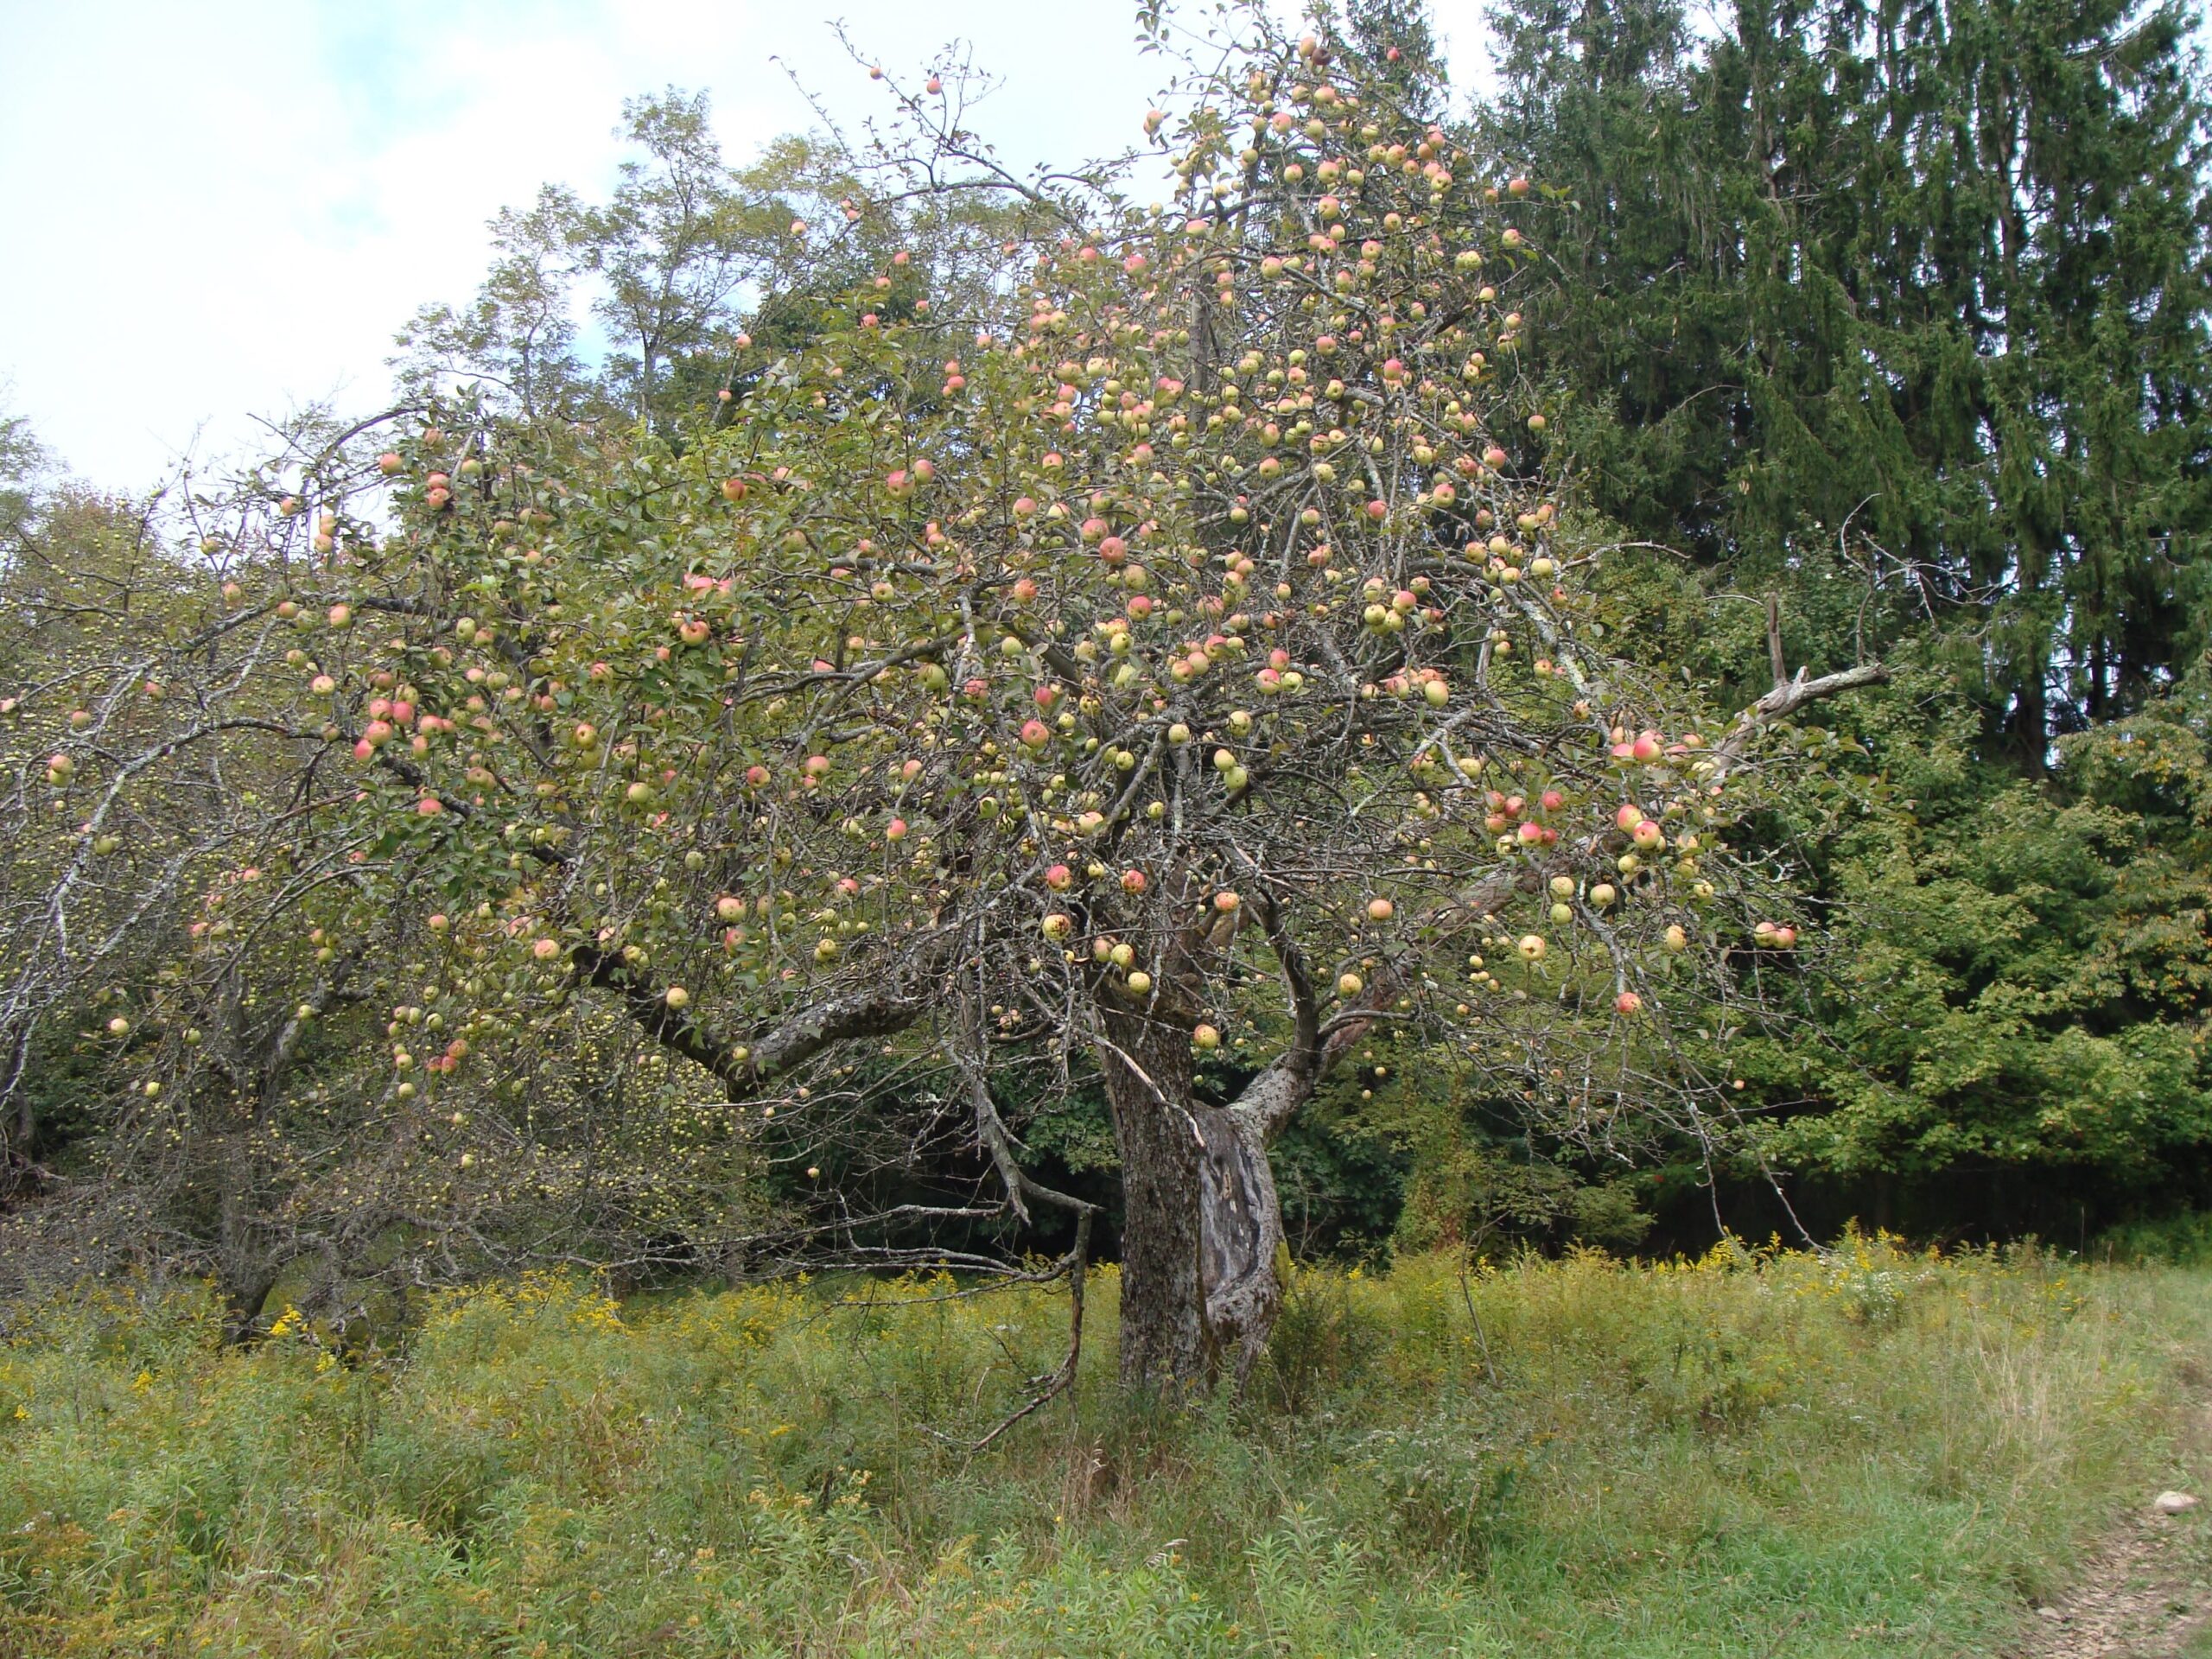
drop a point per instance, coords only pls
(2147, 1594)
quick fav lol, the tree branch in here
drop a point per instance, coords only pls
(777, 1053)
(1786, 699)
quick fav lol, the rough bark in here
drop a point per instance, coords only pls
(1241, 1238)
(1146, 1062)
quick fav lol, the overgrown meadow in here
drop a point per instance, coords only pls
(1873, 1451)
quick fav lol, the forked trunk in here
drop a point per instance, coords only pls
(1203, 1225)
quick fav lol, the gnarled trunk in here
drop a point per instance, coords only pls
(1203, 1224)
(1240, 1237)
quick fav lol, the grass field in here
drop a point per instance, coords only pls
(1872, 1453)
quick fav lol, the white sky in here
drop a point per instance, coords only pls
(220, 209)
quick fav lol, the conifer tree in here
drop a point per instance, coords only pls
(1928, 279)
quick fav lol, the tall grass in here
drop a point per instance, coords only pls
(1785, 1454)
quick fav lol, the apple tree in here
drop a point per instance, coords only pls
(1165, 646)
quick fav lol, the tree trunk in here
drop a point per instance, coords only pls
(1240, 1238)
(1146, 1066)
(242, 1299)
(1203, 1224)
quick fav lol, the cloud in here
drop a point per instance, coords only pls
(225, 209)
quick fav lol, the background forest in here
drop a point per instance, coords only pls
(1863, 332)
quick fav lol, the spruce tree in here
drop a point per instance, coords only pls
(1925, 281)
